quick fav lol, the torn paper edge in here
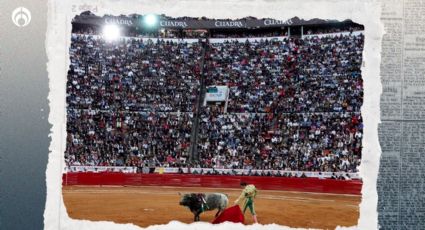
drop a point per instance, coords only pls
(61, 12)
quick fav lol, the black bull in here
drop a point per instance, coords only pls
(200, 202)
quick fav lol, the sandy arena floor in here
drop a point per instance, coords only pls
(144, 206)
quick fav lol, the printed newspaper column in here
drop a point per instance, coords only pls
(401, 205)
(412, 179)
(391, 115)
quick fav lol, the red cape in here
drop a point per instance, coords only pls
(232, 214)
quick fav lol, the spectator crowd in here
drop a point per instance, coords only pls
(132, 74)
(293, 75)
(294, 104)
(298, 141)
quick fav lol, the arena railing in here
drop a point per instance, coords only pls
(222, 171)
(221, 40)
(315, 185)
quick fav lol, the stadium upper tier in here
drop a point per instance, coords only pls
(132, 75)
(292, 75)
(293, 103)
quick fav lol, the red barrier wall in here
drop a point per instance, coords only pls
(190, 180)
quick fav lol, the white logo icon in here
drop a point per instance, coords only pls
(21, 16)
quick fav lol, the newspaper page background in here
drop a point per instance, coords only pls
(366, 12)
(400, 184)
(401, 199)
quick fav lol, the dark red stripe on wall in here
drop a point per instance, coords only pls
(190, 180)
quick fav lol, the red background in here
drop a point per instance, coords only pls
(190, 180)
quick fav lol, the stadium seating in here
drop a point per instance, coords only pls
(294, 104)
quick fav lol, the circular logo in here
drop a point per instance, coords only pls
(21, 17)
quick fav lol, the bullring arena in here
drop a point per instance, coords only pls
(220, 102)
(148, 205)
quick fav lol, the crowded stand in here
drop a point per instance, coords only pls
(132, 74)
(326, 142)
(292, 75)
(294, 103)
(108, 138)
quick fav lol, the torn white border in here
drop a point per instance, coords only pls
(61, 12)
